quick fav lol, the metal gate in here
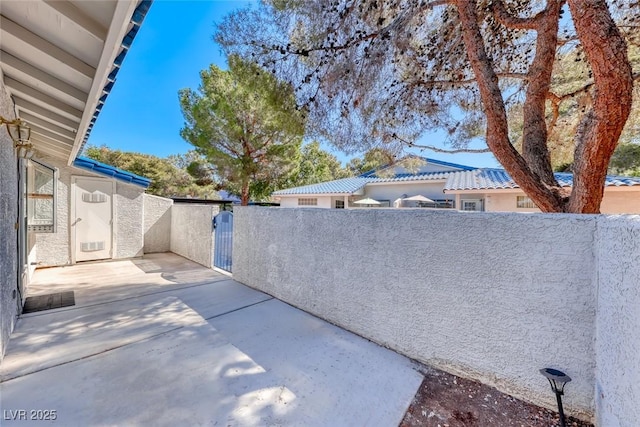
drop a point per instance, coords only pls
(223, 240)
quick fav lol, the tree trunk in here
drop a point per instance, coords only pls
(600, 130)
(244, 193)
(534, 141)
(497, 128)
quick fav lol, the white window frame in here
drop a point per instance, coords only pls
(478, 203)
(525, 202)
(307, 201)
(31, 197)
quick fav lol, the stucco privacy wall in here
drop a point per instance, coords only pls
(618, 322)
(192, 231)
(8, 218)
(495, 297)
(157, 224)
(54, 249)
(129, 230)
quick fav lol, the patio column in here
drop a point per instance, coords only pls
(457, 206)
(346, 201)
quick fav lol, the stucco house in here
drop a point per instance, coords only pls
(495, 191)
(446, 185)
(58, 64)
(98, 212)
(385, 186)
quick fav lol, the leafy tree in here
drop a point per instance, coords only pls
(247, 124)
(167, 180)
(315, 165)
(196, 166)
(626, 160)
(372, 159)
(385, 71)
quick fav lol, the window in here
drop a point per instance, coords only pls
(525, 202)
(308, 201)
(339, 204)
(41, 190)
(471, 205)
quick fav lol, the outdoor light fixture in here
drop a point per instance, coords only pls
(20, 133)
(557, 379)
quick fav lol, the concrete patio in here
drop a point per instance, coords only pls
(164, 341)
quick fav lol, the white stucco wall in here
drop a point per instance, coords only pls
(8, 217)
(54, 249)
(157, 224)
(288, 202)
(292, 202)
(505, 202)
(617, 391)
(616, 200)
(129, 230)
(493, 297)
(192, 231)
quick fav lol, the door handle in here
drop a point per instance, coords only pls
(76, 221)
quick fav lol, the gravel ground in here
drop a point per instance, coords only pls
(445, 400)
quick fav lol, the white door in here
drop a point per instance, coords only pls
(92, 218)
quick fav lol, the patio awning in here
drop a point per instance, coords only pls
(59, 61)
(418, 198)
(367, 201)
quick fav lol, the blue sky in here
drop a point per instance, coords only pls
(174, 43)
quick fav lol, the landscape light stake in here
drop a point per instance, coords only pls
(557, 379)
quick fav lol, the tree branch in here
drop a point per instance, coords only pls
(355, 41)
(442, 150)
(497, 128)
(510, 21)
(534, 137)
(464, 82)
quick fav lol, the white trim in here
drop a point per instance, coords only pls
(56, 177)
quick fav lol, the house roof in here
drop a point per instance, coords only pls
(372, 172)
(59, 61)
(111, 171)
(485, 179)
(339, 186)
(423, 176)
(351, 185)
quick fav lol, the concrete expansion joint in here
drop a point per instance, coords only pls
(239, 308)
(89, 356)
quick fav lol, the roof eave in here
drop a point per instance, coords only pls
(113, 45)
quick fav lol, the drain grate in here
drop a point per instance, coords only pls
(48, 302)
